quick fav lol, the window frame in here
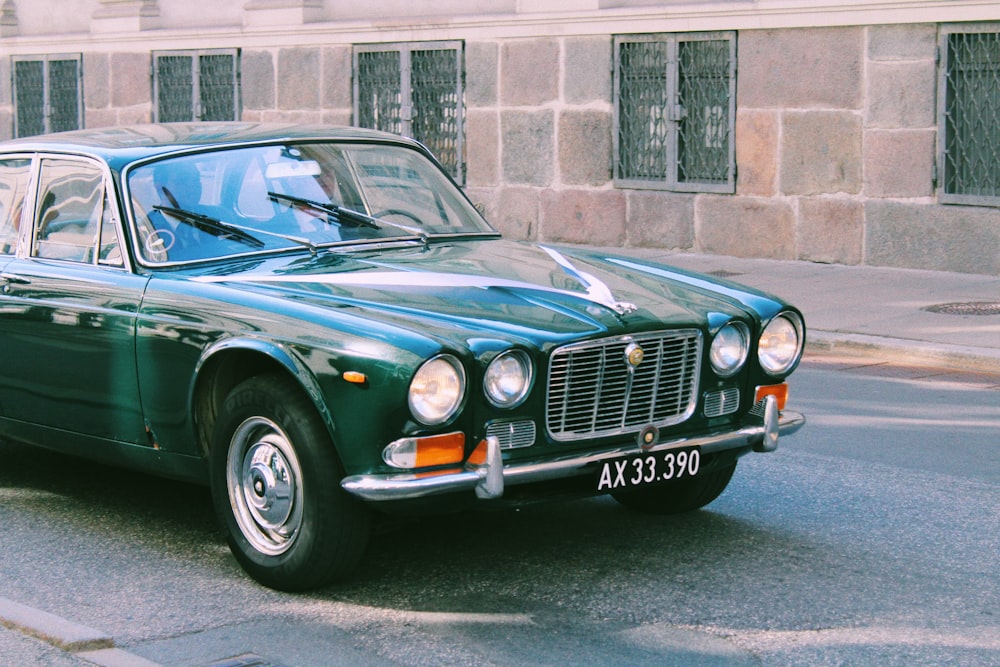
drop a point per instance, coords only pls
(406, 91)
(944, 115)
(674, 114)
(197, 110)
(47, 89)
(109, 218)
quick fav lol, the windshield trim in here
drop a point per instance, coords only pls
(139, 260)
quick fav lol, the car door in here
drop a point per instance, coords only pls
(68, 308)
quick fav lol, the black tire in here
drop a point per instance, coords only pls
(681, 496)
(276, 488)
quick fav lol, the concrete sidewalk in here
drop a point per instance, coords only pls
(926, 318)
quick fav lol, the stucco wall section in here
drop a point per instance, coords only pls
(943, 238)
(821, 153)
(482, 148)
(583, 216)
(481, 75)
(298, 79)
(745, 226)
(258, 84)
(830, 230)
(660, 219)
(757, 136)
(807, 68)
(529, 72)
(587, 70)
(585, 147)
(899, 163)
(528, 147)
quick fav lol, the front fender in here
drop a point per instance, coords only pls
(275, 351)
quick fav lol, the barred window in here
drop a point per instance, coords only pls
(969, 118)
(196, 85)
(47, 94)
(675, 108)
(416, 90)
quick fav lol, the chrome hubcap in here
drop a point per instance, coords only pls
(264, 482)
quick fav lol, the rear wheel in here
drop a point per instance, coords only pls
(276, 488)
(680, 496)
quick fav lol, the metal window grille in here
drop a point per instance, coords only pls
(47, 95)
(196, 85)
(969, 118)
(416, 90)
(675, 108)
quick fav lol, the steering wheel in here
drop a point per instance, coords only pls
(398, 211)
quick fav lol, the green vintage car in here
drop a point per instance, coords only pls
(317, 323)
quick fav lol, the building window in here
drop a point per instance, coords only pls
(196, 85)
(675, 108)
(416, 90)
(969, 116)
(47, 95)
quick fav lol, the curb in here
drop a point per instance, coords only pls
(59, 632)
(912, 352)
(85, 642)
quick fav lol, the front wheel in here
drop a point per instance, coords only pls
(276, 488)
(681, 496)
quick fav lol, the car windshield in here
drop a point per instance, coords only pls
(274, 197)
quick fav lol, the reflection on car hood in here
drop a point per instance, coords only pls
(525, 289)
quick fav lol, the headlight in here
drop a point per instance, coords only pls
(780, 344)
(729, 348)
(508, 379)
(437, 390)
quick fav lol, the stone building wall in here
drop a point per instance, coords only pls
(836, 138)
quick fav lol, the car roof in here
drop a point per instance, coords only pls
(123, 144)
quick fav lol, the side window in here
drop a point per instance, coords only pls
(73, 219)
(196, 85)
(416, 90)
(969, 126)
(14, 175)
(47, 95)
(675, 109)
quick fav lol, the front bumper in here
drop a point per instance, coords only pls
(488, 480)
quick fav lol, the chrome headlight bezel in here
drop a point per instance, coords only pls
(780, 346)
(730, 349)
(437, 390)
(509, 366)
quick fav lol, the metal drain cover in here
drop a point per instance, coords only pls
(722, 273)
(967, 308)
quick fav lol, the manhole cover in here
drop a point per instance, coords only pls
(968, 308)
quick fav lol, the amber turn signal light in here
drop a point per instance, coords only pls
(779, 391)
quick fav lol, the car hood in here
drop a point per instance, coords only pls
(467, 288)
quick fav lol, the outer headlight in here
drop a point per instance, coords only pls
(729, 348)
(780, 344)
(437, 390)
(508, 379)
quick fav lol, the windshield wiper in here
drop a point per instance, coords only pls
(212, 226)
(337, 215)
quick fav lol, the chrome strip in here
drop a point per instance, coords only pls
(395, 486)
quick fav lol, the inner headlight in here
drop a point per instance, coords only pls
(729, 348)
(508, 378)
(437, 390)
(780, 344)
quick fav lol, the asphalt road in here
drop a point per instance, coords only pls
(870, 537)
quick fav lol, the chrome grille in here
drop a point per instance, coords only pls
(719, 403)
(594, 391)
(512, 434)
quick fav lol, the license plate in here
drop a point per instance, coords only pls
(647, 469)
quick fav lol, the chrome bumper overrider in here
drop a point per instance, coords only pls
(488, 480)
